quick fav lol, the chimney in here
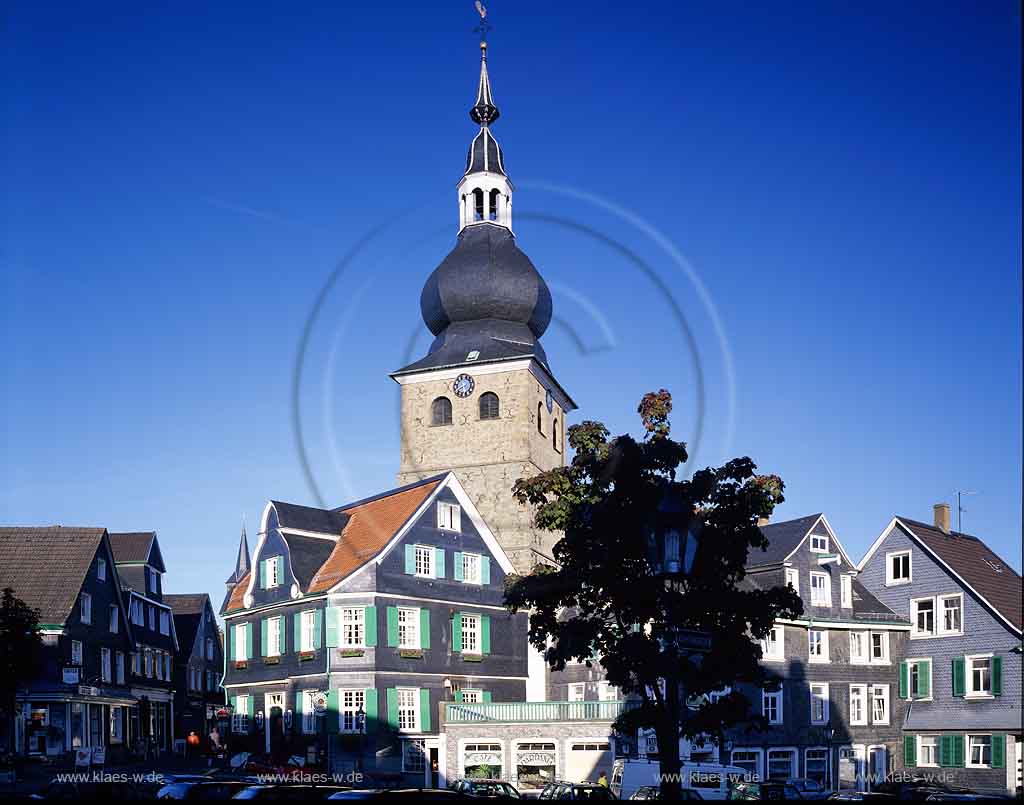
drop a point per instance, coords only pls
(762, 522)
(942, 517)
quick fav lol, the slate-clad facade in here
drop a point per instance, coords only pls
(960, 676)
(198, 665)
(385, 608)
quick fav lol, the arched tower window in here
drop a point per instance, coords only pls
(554, 434)
(441, 411)
(493, 210)
(489, 405)
(540, 418)
(478, 205)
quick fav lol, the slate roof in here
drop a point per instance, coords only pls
(783, 538)
(46, 566)
(188, 611)
(308, 518)
(131, 546)
(133, 577)
(978, 565)
(866, 606)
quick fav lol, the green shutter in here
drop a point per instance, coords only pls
(485, 634)
(332, 711)
(393, 626)
(248, 640)
(924, 679)
(228, 656)
(298, 709)
(332, 627)
(370, 708)
(998, 751)
(904, 681)
(410, 559)
(458, 695)
(945, 751)
(392, 694)
(997, 676)
(424, 710)
(297, 634)
(263, 574)
(457, 570)
(909, 751)
(424, 628)
(457, 632)
(370, 623)
(958, 676)
(958, 751)
(485, 570)
(318, 628)
(280, 567)
(487, 696)
(263, 637)
(439, 563)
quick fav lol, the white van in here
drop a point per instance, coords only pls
(710, 779)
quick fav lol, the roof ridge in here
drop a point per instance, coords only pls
(389, 492)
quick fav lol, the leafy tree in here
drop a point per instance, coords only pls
(620, 595)
(20, 650)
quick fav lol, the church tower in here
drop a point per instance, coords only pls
(484, 402)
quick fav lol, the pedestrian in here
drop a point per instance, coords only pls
(602, 779)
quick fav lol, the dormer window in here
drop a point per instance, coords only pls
(449, 516)
(272, 572)
(819, 544)
(897, 568)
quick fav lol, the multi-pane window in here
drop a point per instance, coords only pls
(771, 706)
(858, 647)
(76, 652)
(425, 561)
(816, 762)
(819, 544)
(819, 703)
(748, 760)
(86, 608)
(409, 627)
(239, 643)
(273, 648)
(441, 411)
(897, 568)
(979, 676)
(449, 516)
(350, 703)
(858, 705)
(952, 617)
(308, 712)
(165, 622)
(101, 569)
(414, 756)
(489, 405)
(114, 619)
(781, 764)
(471, 568)
(879, 704)
(577, 691)
(471, 695)
(408, 709)
(240, 716)
(275, 567)
(607, 692)
(927, 750)
(879, 647)
(980, 750)
(470, 634)
(105, 672)
(821, 590)
(923, 617)
(919, 678)
(772, 646)
(307, 637)
(817, 643)
(353, 627)
(793, 578)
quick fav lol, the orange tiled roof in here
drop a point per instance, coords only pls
(237, 594)
(370, 527)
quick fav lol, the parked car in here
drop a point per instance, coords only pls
(591, 792)
(710, 779)
(767, 790)
(958, 796)
(486, 789)
(654, 792)
(411, 794)
(201, 789)
(861, 796)
(808, 788)
(289, 792)
(914, 789)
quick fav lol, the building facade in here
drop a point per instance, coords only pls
(357, 624)
(960, 676)
(198, 665)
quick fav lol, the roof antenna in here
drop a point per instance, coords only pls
(960, 509)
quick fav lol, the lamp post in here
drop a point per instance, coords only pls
(830, 734)
(361, 731)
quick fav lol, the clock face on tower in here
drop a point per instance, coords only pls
(463, 385)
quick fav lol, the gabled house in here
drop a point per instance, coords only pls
(198, 664)
(81, 696)
(140, 567)
(834, 716)
(353, 625)
(960, 676)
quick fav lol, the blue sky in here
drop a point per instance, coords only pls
(842, 180)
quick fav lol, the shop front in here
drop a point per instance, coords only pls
(55, 724)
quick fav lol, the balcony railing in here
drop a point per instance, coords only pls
(463, 713)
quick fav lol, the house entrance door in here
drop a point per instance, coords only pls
(272, 722)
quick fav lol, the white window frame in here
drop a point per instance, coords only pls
(209, 648)
(152, 579)
(240, 717)
(114, 622)
(421, 765)
(151, 618)
(405, 723)
(933, 744)
(774, 650)
(472, 695)
(969, 750)
(915, 608)
(275, 627)
(101, 569)
(307, 625)
(821, 547)
(350, 702)
(827, 764)
(776, 696)
(940, 614)
(793, 765)
(607, 692)
(425, 561)
(884, 659)
(106, 665)
(238, 643)
(449, 517)
(859, 692)
(576, 692)
(821, 696)
(873, 689)
(969, 690)
(85, 608)
(76, 652)
(910, 679)
(409, 628)
(824, 657)
(821, 596)
(472, 562)
(474, 628)
(272, 565)
(165, 622)
(846, 591)
(890, 579)
(792, 576)
(353, 627)
(863, 656)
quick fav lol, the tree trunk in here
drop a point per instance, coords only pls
(668, 744)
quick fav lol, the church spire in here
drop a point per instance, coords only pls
(242, 562)
(484, 110)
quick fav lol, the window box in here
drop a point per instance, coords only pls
(472, 657)
(411, 653)
(271, 660)
(350, 652)
(304, 656)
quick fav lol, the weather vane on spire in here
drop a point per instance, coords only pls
(484, 25)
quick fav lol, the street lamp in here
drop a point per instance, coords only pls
(361, 730)
(672, 540)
